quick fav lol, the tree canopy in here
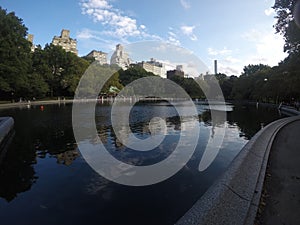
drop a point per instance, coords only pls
(14, 54)
(288, 13)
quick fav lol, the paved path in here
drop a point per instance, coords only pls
(282, 184)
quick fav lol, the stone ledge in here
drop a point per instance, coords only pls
(289, 111)
(6, 128)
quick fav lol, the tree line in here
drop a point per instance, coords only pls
(281, 82)
(51, 71)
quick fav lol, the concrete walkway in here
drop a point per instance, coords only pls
(280, 203)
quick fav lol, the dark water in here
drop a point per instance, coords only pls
(44, 179)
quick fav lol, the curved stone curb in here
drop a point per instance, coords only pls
(289, 111)
(6, 127)
(234, 197)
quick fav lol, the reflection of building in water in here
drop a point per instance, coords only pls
(103, 134)
(67, 157)
(123, 133)
(157, 126)
(188, 125)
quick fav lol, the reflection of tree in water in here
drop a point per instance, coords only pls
(16, 170)
(140, 129)
(36, 136)
(67, 157)
(205, 117)
(250, 119)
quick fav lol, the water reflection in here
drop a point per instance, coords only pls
(67, 157)
(44, 171)
(38, 134)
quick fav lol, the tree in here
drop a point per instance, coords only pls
(252, 69)
(98, 80)
(60, 69)
(134, 72)
(227, 86)
(113, 82)
(191, 87)
(286, 23)
(14, 54)
(73, 70)
(221, 77)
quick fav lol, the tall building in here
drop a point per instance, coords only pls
(67, 43)
(30, 39)
(179, 67)
(154, 67)
(99, 56)
(178, 72)
(120, 57)
(216, 67)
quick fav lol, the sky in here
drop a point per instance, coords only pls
(234, 32)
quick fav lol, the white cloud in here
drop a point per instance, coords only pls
(96, 4)
(268, 47)
(215, 52)
(174, 41)
(189, 31)
(172, 37)
(85, 34)
(228, 70)
(252, 35)
(185, 4)
(91, 39)
(227, 63)
(116, 23)
(172, 34)
(231, 60)
(262, 47)
(269, 12)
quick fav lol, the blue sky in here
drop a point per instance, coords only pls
(234, 32)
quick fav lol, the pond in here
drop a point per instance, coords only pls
(45, 180)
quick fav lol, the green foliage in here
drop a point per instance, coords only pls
(14, 54)
(275, 84)
(190, 86)
(113, 84)
(103, 78)
(61, 70)
(286, 24)
(253, 69)
(133, 73)
(47, 72)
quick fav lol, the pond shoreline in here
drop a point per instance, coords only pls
(26, 104)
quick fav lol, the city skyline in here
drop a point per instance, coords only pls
(233, 32)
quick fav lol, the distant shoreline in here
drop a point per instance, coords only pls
(31, 103)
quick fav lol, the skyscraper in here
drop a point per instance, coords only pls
(216, 67)
(67, 43)
(120, 57)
